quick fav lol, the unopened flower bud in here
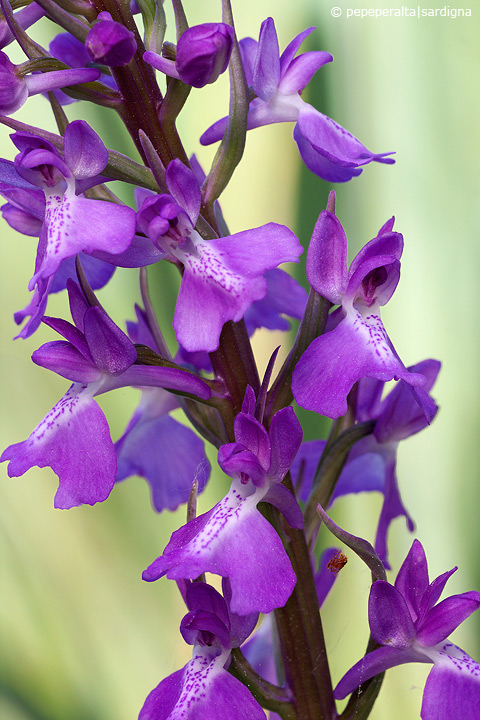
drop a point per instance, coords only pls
(203, 53)
(110, 43)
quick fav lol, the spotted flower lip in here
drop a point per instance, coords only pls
(204, 687)
(358, 345)
(74, 439)
(327, 149)
(410, 624)
(225, 275)
(225, 540)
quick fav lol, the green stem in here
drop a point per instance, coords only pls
(301, 636)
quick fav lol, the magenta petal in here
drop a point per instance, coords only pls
(174, 379)
(235, 461)
(445, 617)
(250, 433)
(167, 454)
(252, 252)
(226, 542)
(301, 70)
(74, 440)
(292, 48)
(412, 579)
(184, 188)
(111, 349)
(64, 359)
(203, 689)
(221, 293)
(388, 616)
(84, 151)
(77, 224)
(452, 690)
(280, 497)
(358, 347)
(266, 73)
(373, 664)
(286, 437)
(327, 258)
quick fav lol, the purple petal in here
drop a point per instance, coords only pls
(241, 626)
(445, 617)
(358, 347)
(69, 50)
(84, 151)
(140, 253)
(74, 440)
(412, 579)
(286, 437)
(110, 348)
(202, 689)
(291, 49)
(389, 617)
(434, 591)
(97, 271)
(327, 258)
(392, 508)
(184, 188)
(167, 454)
(383, 254)
(222, 294)
(304, 467)
(65, 360)
(9, 177)
(280, 497)
(235, 461)
(373, 664)
(248, 50)
(333, 142)
(401, 414)
(253, 436)
(223, 542)
(201, 624)
(301, 70)
(285, 296)
(452, 690)
(266, 73)
(201, 596)
(21, 221)
(76, 224)
(320, 165)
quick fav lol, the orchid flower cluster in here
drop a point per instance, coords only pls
(257, 637)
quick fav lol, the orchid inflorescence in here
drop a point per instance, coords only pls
(260, 537)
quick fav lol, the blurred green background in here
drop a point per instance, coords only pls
(81, 635)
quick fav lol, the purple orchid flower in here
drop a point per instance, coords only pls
(327, 149)
(371, 463)
(411, 626)
(155, 446)
(222, 276)
(72, 224)
(225, 540)
(73, 438)
(203, 54)
(16, 88)
(358, 346)
(204, 688)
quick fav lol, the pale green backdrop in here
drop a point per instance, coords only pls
(82, 636)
